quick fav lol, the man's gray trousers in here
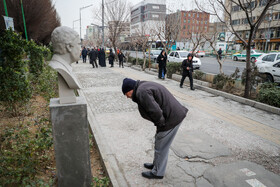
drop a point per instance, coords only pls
(163, 141)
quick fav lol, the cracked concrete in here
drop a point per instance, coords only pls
(211, 137)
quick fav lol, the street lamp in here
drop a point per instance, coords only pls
(81, 18)
(74, 22)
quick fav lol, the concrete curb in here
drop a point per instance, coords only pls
(108, 157)
(205, 87)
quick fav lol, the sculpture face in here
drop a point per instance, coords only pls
(75, 50)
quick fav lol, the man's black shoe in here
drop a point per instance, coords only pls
(148, 165)
(181, 86)
(150, 175)
(192, 89)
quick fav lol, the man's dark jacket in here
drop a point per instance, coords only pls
(93, 55)
(121, 57)
(84, 52)
(157, 104)
(186, 63)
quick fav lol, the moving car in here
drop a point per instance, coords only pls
(272, 71)
(154, 55)
(242, 56)
(268, 58)
(179, 56)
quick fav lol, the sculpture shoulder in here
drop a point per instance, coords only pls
(67, 75)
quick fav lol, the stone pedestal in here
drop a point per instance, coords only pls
(71, 143)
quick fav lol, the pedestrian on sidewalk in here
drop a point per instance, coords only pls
(187, 66)
(93, 56)
(84, 55)
(111, 58)
(121, 57)
(161, 60)
(158, 105)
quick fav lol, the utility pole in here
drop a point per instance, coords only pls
(102, 23)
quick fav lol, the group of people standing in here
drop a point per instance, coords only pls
(93, 55)
(187, 67)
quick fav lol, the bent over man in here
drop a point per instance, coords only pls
(158, 105)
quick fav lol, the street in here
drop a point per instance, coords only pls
(210, 64)
(220, 143)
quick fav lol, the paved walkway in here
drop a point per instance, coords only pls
(220, 143)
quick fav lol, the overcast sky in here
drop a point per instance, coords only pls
(68, 10)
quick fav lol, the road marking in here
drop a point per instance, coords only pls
(247, 172)
(255, 183)
(247, 124)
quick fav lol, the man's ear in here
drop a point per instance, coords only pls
(68, 47)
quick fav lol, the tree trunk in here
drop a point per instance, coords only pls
(248, 71)
(136, 56)
(144, 59)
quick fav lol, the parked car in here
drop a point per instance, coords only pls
(242, 56)
(154, 55)
(268, 58)
(272, 71)
(200, 53)
(179, 56)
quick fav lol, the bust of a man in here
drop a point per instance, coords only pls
(66, 47)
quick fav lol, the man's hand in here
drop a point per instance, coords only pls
(188, 68)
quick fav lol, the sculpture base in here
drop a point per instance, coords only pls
(71, 143)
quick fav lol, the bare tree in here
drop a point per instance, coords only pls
(196, 39)
(116, 16)
(40, 16)
(247, 8)
(212, 39)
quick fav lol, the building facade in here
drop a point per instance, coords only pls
(267, 36)
(147, 17)
(123, 28)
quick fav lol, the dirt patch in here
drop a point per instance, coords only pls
(31, 118)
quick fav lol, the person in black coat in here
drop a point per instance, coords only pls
(161, 60)
(121, 57)
(93, 56)
(220, 53)
(187, 66)
(158, 105)
(111, 58)
(84, 55)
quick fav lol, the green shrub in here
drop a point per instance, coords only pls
(103, 182)
(198, 75)
(36, 56)
(15, 88)
(173, 67)
(220, 81)
(23, 152)
(46, 84)
(270, 94)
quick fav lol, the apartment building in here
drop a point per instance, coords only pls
(147, 17)
(268, 35)
(190, 22)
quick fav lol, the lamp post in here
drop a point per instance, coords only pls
(81, 18)
(74, 22)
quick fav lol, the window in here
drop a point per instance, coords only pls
(184, 27)
(206, 22)
(185, 21)
(278, 57)
(265, 58)
(235, 22)
(176, 55)
(243, 52)
(171, 54)
(235, 8)
(155, 7)
(155, 16)
(197, 15)
(277, 65)
(189, 21)
(270, 58)
(184, 14)
(262, 2)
